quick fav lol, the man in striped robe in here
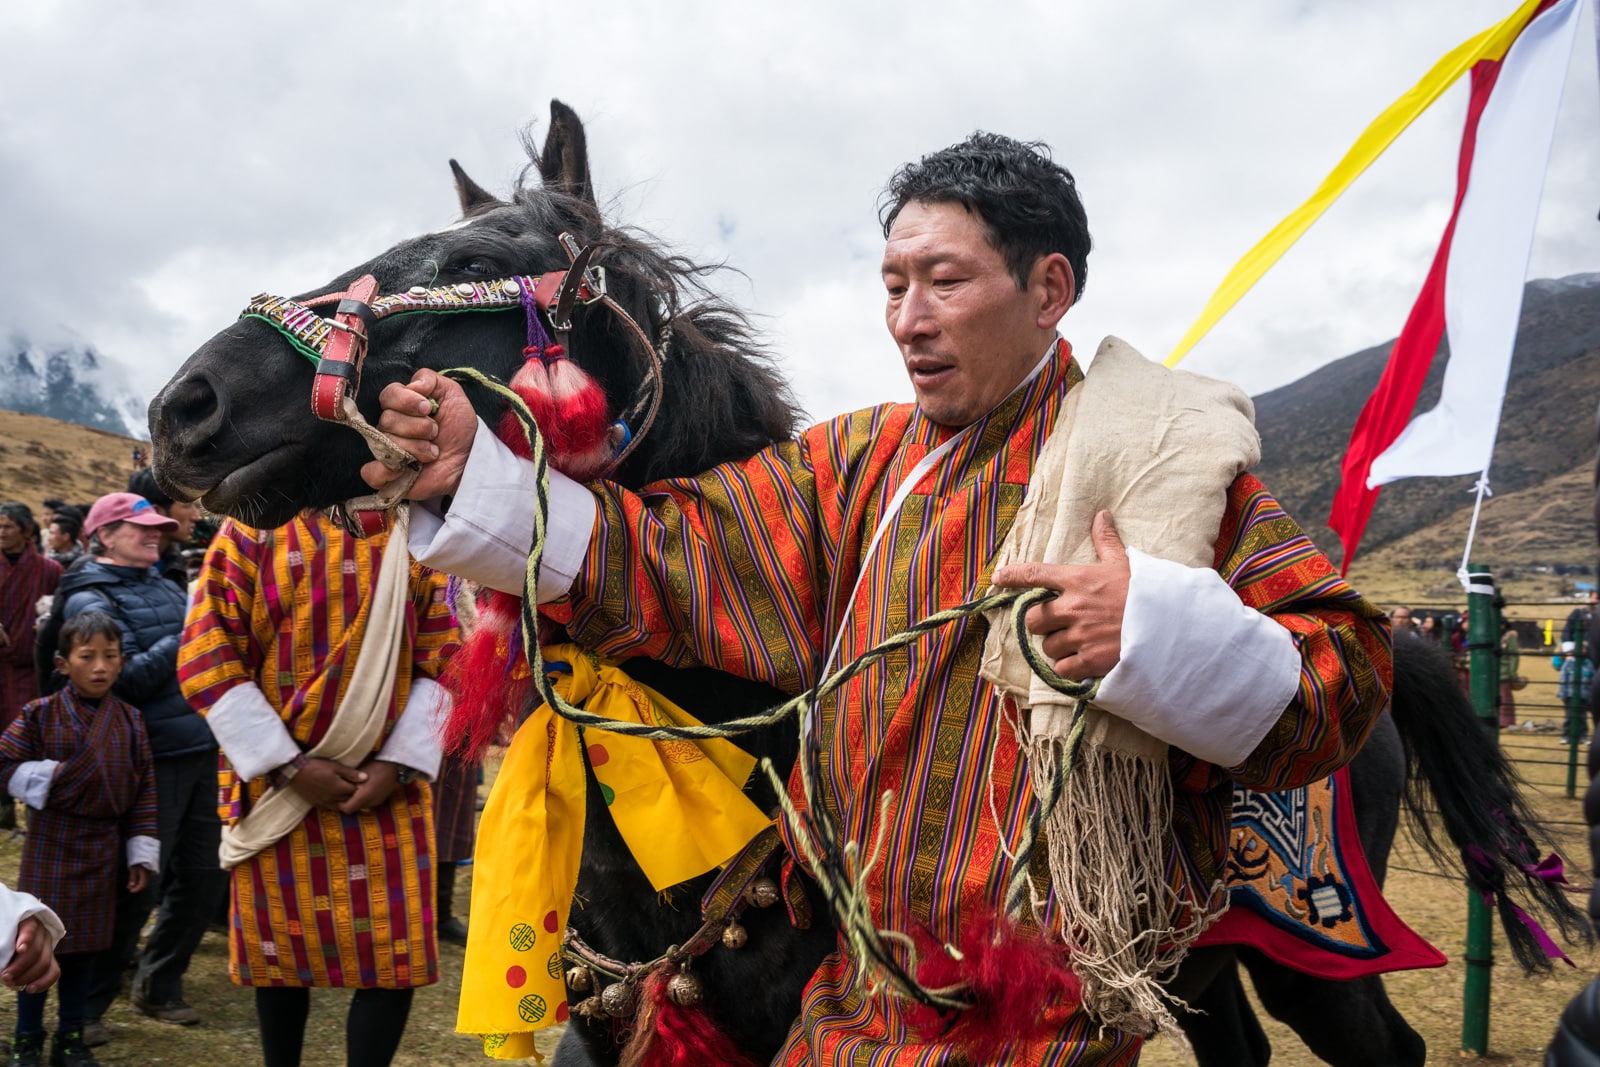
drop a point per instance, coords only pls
(26, 574)
(345, 900)
(1266, 670)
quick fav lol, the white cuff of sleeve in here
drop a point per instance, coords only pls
(250, 732)
(30, 782)
(144, 851)
(414, 741)
(486, 535)
(1199, 669)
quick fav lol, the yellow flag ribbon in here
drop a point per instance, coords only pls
(1492, 43)
(679, 805)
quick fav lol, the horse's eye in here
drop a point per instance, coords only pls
(481, 266)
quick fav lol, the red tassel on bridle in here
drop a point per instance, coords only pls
(488, 679)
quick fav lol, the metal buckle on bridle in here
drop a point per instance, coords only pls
(580, 278)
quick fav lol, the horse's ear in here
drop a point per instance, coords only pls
(473, 196)
(564, 163)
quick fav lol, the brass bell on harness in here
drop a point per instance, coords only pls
(685, 989)
(617, 1000)
(763, 893)
(579, 980)
(734, 935)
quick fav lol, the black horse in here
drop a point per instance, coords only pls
(232, 429)
(1434, 758)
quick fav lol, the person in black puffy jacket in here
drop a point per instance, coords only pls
(122, 580)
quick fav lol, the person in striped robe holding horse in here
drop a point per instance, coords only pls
(1263, 668)
(284, 651)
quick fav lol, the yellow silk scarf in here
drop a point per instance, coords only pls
(679, 805)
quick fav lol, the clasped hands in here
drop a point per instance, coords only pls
(327, 783)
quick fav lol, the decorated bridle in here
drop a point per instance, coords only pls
(337, 347)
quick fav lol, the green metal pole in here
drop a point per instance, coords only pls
(1575, 710)
(1483, 643)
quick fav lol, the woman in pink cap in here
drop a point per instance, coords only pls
(125, 532)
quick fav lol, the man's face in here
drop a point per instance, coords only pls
(60, 540)
(967, 334)
(11, 536)
(1401, 619)
(185, 515)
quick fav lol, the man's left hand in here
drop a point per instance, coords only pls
(1082, 627)
(380, 783)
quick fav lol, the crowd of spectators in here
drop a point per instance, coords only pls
(96, 732)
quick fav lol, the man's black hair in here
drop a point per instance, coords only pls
(22, 515)
(69, 521)
(82, 627)
(143, 482)
(55, 505)
(1027, 202)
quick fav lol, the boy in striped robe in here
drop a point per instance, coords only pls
(345, 900)
(80, 759)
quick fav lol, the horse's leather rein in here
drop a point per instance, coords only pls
(338, 345)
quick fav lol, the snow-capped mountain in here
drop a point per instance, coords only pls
(73, 383)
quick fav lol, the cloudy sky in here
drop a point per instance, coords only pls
(162, 162)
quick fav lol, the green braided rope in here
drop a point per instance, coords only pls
(299, 346)
(840, 870)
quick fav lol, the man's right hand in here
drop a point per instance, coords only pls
(431, 418)
(326, 783)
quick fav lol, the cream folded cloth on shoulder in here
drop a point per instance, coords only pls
(1158, 448)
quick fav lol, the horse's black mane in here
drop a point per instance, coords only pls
(729, 399)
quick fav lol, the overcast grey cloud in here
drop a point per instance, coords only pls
(162, 162)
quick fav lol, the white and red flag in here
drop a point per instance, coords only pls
(1473, 291)
(1473, 294)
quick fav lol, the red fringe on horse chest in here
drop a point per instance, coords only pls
(1013, 979)
(667, 1035)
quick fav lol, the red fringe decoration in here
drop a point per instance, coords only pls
(666, 1035)
(488, 679)
(1013, 979)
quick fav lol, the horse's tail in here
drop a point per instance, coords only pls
(1457, 774)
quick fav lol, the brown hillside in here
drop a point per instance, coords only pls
(41, 457)
(1537, 541)
(1540, 515)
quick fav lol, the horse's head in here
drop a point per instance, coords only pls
(234, 426)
